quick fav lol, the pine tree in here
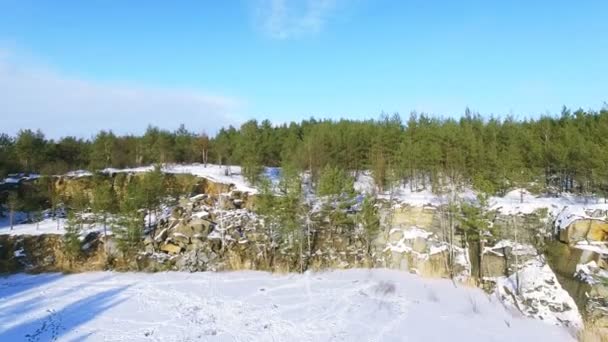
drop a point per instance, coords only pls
(103, 203)
(250, 152)
(29, 147)
(369, 220)
(151, 194)
(268, 208)
(127, 229)
(334, 181)
(291, 213)
(103, 148)
(14, 204)
(476, 226)
(71, 238)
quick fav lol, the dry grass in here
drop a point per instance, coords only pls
(593, 333)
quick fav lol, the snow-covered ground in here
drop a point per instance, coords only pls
(46, 226)
(353, 305)
(216, 173)
(19, 177)
(517, 201)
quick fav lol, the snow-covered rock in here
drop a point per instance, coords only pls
(591, 273)
(535, 291)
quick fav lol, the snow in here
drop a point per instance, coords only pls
(353, 305)
(364, 183)
(598, 247)
(201, 214)
(19, 253)
(405, 194)
(438, 249)
(79, 174)
(566, 203)
(411, 233)
(17, 178)
(46, 226)
(214, 235)
(215, 173)
(197, 197)
(540, 295)
(516, 248)
(515, 202)
(579, 212)
(590, 273)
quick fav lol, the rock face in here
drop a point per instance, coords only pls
(505, 257)
(419, 251)
(580, 259)
(585, 230)
(45, 253)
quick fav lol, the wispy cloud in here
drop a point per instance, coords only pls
(32, 96)
(284, 19)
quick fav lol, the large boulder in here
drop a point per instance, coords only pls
(588, 229)
(170, 248)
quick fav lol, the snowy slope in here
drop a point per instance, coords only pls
(354, 305)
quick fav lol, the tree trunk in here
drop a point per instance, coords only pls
(301, 258)
(105, 235)
(451, 221)
(149, 218)
(11, 214)
(481, 246)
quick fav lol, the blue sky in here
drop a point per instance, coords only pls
(74, 67)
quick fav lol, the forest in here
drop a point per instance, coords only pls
(558, 153)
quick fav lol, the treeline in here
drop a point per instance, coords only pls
(566, 152)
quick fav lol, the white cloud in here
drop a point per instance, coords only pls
(36, 97)
(284, 19)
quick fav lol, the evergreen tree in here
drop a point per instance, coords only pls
(103, 203)
(268, 208)
(291, 213)
(71, 238)
(127, 229)
(29, 147)
(150, 195)
(369, 220)
(334, 181)
(250, 151)
(103, 150)
(476, 227)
